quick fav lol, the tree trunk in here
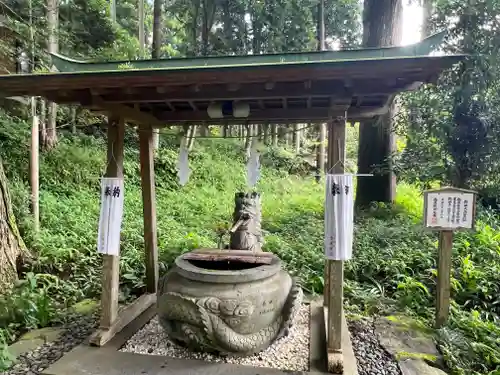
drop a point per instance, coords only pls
(204, 130)
(296, 138)
(260, 132)
(266, 133)
(321, 25)
(194, 13)
(321, 148)
(142, 39)
(191, 136)
(287, 135)
(50, 139)
(207, 22)
(73, 119)
(156, 51)
(381, 28)
(12, 247)
(248, 140)
(274, 131)
(426, 22)
(43, 122)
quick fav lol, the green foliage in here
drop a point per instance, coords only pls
(450, 127)
(6, 358)
(471, 343)
(33, 303)
(395, 263)
(394, 258)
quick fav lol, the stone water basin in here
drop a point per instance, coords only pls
(227, 301)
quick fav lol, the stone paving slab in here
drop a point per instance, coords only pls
(86, 360)
(410, 344)
(107, 360)
(33, 339)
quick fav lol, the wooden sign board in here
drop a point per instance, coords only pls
(449, 209)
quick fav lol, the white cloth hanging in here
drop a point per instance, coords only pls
(110, 220)
(253, 166)
(339, 216)
(183, 171)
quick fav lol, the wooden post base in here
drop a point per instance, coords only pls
(342, 362)
(126, 315)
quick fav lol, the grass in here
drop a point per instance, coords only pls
(392, 272)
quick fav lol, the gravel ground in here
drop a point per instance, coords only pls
(77, 329)
(371, 357)
(289, 353)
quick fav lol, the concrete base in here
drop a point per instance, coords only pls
(107, 360)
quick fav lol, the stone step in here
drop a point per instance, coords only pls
(86, 360)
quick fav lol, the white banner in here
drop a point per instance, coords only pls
(339, 217)
(110, 221)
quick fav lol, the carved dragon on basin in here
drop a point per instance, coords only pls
(211, 324)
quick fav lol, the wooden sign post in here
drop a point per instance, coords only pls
(446, 210)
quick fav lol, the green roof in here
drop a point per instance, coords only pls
(308, 86)
(423, 48)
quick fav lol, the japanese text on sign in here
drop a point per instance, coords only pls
(449, 209)
(110, 220)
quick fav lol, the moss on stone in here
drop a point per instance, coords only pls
(85, 307)
(407, 323)
(422, 356)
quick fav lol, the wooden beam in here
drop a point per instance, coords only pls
(126, 112)
(277, 115)
(146, 154)
(335, 269)
(253, 91)
(125, 316)
(111, 263)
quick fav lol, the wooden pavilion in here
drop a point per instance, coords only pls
(329, 86)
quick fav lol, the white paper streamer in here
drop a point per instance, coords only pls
(183, 171)
(339, 217)
(110, 220)
(253, 166)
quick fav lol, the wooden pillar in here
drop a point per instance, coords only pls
(111, 263)
(334, 270)
(146, 154)
(444, 277)
(113, 322)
